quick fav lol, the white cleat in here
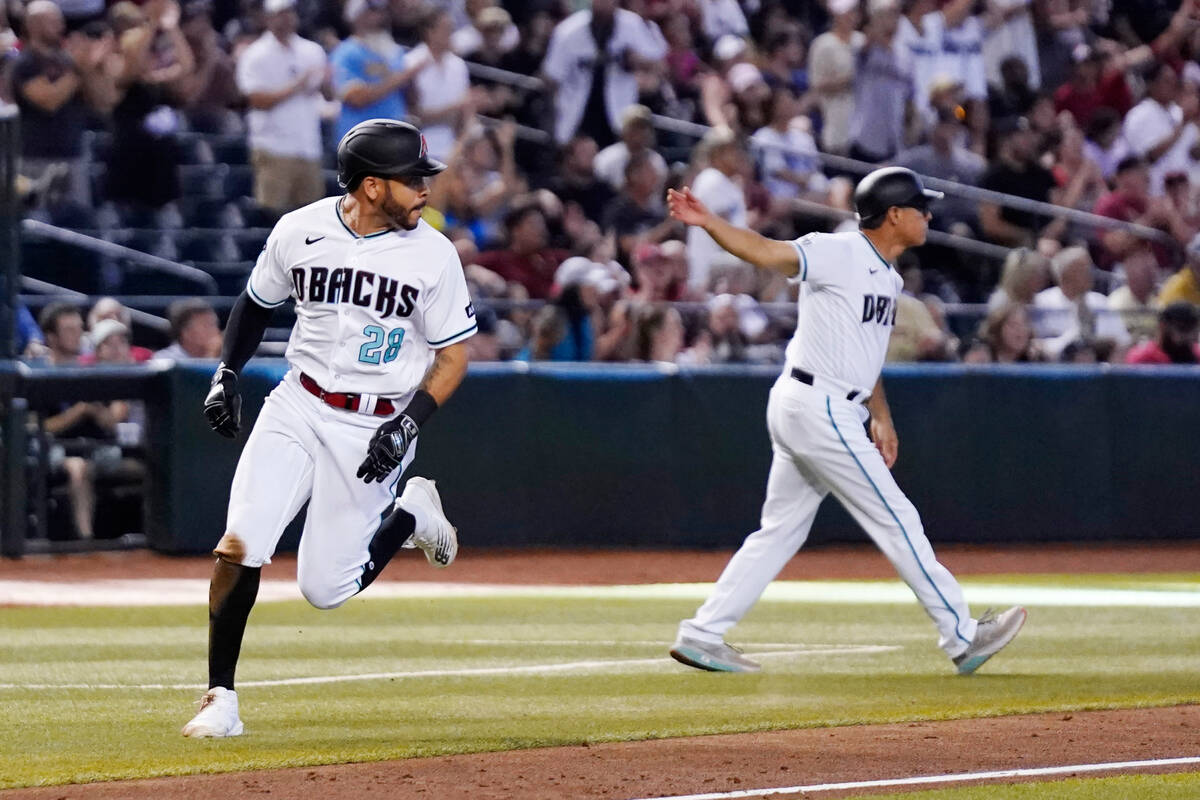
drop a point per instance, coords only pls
(218, 716)
(994, 632)
(439, 539)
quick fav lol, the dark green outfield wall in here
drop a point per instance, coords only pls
(637, 456)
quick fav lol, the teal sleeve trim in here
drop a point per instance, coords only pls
(803, 260)
(450, 339)
(254, 296)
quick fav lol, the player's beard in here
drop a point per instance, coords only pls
(401, 216)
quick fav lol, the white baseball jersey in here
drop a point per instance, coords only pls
(847, 308)
(370, 310)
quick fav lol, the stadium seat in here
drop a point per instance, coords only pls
(192, 149)
(154, 241)
(210, 212)
(231, 150)
(138, 279)
(69, 214)
(207, 245)
(231, 276)
(239, 182)
(62, 264)
(254, 215)
(250, 242)
(202, 180)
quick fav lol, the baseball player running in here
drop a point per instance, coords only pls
(382, 316)
(830, 386)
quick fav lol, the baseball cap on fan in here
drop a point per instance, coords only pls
(106, 328)
(355, 8)
(275, 6)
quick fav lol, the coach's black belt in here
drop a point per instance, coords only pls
(349, 402)
(807, 377)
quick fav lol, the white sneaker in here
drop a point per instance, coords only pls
(994, 632)
(438, 538)
(218, 715)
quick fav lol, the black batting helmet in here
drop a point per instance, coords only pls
(383, 148)
(887, 187)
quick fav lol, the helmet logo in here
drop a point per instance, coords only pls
(424, 147)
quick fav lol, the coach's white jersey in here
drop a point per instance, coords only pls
(370, 310)
(847, 308)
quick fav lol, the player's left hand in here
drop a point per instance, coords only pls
(387, 448)
(883, 434)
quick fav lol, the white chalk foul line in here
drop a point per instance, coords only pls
(927, 779)
(590, 666)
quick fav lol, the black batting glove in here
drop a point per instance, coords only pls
(223, 405)
(387, 448)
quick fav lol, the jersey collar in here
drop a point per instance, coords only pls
(337, 209)
(874, 249)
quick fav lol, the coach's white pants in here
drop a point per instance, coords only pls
(820, 447)
(304, 450)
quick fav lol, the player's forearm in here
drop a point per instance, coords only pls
(446, 373)
(244, 331)
(753, 247)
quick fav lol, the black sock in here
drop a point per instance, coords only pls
(230, 598)
(398, 526)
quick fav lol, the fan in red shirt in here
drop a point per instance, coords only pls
(1093, 85)
(1178, 325)
(1130, 201)
(528, 260)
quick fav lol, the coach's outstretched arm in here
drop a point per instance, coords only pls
(741, 242)
(243, 332)
(389, 444)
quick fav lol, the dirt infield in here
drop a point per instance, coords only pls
(700, 764)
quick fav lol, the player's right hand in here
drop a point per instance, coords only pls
(223, 405)
(686, 207)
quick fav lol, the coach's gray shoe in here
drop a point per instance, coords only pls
(218, 715)
(434, 535)
(993, 633)
(719, 657)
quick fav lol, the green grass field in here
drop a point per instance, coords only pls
(100, 693)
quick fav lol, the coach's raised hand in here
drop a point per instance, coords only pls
(686, 207)
(223, 405)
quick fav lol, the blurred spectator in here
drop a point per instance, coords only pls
(1025, 273)
(549, 329)
(1071, 310)
(1135, 299)
(658, 334)
(491, 28)
(683, 65)
(832, 62)
(945, 158)
(156, 60)
(369, 71)
(62, 325)
(1016, 171)
(195, 332)
(721, 18)
(590, 65)
(942, 42)
(1184, 285)
(1011, 96)
(916, 336)
(1093, 86)
(784, 65)
(1008, 336)
(1009, 35)
(481, 181)
(30, 342)
(528, 259)
(719, 187)
(111, 308)
(55, 80)
(883, 88)
(638, 213)
(443, 100)
(637, 137)
(1071, 164)
(786, 151)
(1162, 128)
(210, 91)
(575, 180)
(661, 271)
(281, 76)
(1079, 352)
(1130, 201)
(1176, 343)
(1104, 143)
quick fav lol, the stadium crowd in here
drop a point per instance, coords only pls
(559, 163)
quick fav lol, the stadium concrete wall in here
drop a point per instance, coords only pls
(641, 456)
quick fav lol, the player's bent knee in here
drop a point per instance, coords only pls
(323, 596)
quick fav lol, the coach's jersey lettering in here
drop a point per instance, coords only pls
(879, 309)
(373, 349)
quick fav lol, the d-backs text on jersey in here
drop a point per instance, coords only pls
(879, 308)
(357, 286)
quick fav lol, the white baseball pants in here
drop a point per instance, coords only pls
(304, 450)
(820, 447)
